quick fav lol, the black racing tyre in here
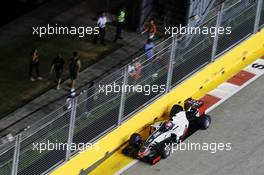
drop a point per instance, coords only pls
(165, 150)
(174, 138)
(175, 109)
(204, 121)
(135, 140)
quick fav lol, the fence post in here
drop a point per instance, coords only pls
(71, 127)
(123, 96)
(258, 14)
(16, 154)
(218, 23)
(172, 60)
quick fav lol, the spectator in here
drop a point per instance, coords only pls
(151, 29)
(101, 23)
(148, 48)
(68, 103)
(34, 65)
(134, 70)
(131, 72)
(90, 100)
(120, 22)
(58, 67)
(74, 69)
(138, 68)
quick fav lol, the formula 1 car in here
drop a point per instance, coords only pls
(164, 133)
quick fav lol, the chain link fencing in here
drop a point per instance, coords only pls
(6, 158)
(45, 148)
(114, 99)
(242, 24)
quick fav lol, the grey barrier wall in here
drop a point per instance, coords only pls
(146, 7)
(262, 15)
(92, 114)
(198, 7)
(137, 13)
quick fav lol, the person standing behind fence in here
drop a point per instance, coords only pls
(101, 23)
(34, 65)
(148, 48)
(151, 29)
(90, 99)
(74, 69)
(58, 67)
(120, 23)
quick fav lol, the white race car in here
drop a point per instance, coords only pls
(163, 133)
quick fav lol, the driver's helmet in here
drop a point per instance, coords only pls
(168, 125)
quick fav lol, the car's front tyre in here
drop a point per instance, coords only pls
(165, 150)
(204, 122)
(135, 140)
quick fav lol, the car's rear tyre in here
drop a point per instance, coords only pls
(204, 122)
(135, 140)
(175, 109)
(165, 151)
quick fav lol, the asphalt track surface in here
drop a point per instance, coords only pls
(239, 121)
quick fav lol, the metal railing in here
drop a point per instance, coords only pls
(92, 114)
